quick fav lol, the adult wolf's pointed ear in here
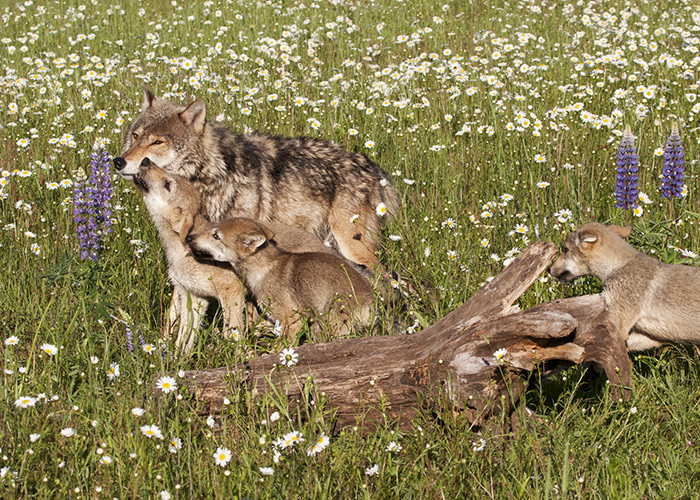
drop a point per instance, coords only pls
(148, 98)
(195, 115)
(622, 232)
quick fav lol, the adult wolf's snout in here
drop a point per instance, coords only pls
(119, 163)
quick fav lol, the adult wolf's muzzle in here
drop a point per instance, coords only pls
(119, 163)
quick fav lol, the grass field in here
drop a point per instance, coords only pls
(499, 123)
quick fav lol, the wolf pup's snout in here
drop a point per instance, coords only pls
(119, 163)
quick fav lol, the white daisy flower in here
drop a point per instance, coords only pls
(222, 456)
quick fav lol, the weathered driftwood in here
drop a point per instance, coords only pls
(452, 362)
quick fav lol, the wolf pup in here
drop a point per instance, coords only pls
(649, 301)
(307, 183)
(175, 206)
(288, 284)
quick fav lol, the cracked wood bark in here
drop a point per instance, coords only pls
(364, 380)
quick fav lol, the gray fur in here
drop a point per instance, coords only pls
(308, 183)
(289, 284)
(175, 206)
(651, 302)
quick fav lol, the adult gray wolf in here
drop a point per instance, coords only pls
(175, 206)
(307, 183)
(288, 284)
(651, 302)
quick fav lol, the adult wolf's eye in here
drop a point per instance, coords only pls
(157, 142)
(166, 185)
(215, 236)
(135, 135)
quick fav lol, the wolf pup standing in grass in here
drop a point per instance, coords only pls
(175, 206)
(288, 283)
(650, 302)
(308, 183)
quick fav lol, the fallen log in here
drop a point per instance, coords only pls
(453, 362)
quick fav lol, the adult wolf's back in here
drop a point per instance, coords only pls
(308, 183)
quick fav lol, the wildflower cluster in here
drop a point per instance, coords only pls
(627, 187)
(92, 209)
(492, 123)
(673, 170)
(672, 174)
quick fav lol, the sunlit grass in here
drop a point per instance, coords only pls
(498, 122)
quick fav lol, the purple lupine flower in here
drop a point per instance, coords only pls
(627, 187)
(92, 209)
(673, 169)
(129, 339)
(80, 218)
(102, 182)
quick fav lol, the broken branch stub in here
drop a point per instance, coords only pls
(452, 362)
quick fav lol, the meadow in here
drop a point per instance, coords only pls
(499, 123)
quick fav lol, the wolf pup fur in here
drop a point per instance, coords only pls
(303, 182)
(650, 302)
(175, 206)
(288, 284)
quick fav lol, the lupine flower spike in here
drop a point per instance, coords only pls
(92, 209)
(627, 187)
(673, 168)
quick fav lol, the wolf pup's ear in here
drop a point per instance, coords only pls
(195, 115)
(587, 238)
(148, 98)
(202, 223)
(186, 228)
(253, 241)
(268, 233)
(622, 232)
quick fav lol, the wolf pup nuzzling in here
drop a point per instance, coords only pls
(175, 206)
(649, 301)
(288, 284)
(308, 183)
(174, 203)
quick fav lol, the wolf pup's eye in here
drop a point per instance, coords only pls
(166, 185)
(565, 249)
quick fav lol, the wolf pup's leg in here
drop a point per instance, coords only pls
(176, 306)
(187, 310)
(638, 342)
(232, 301)
(291, 324)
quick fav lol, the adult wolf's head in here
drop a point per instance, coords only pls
(168, 134)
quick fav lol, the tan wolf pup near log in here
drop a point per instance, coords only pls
(651, 302)
(176, 207)
(307, 183)
(288, 284)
